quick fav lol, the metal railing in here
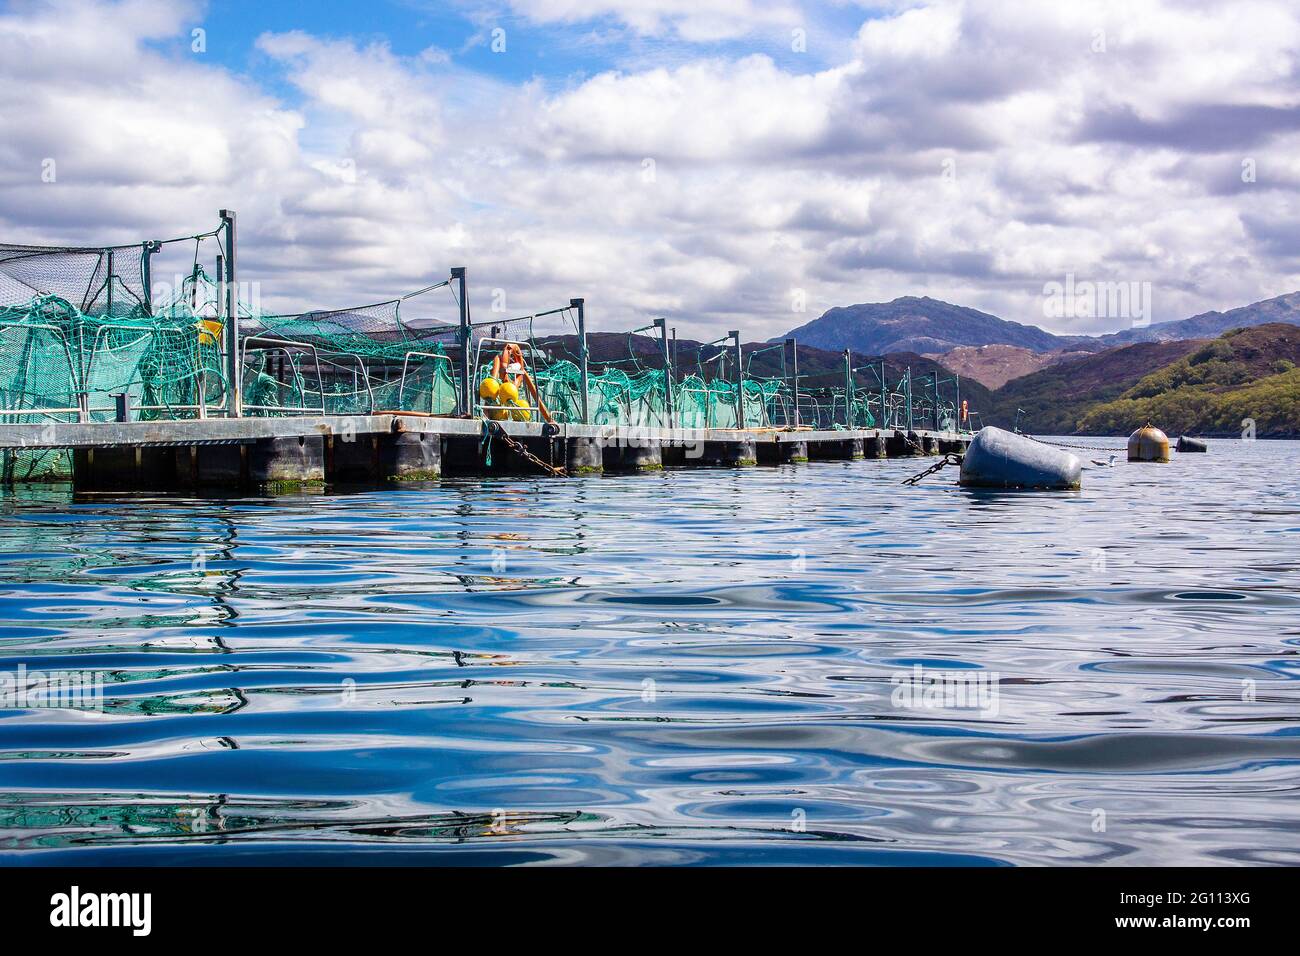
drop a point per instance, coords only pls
(286, 347)
(511, 410)
(406, 362)
(125, 348)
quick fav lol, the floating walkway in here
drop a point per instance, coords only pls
(290, 452)
(114, 381)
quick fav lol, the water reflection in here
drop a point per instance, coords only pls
(687, 667)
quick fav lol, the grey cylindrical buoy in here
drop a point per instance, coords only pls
(1148, 443)
(1190, 444)
(1001, 459)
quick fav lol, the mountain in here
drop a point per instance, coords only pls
(1283, 308)
(1055, 398)
(995, 365)
(1250, 374)
(1194, 386)
(922, 325)
(935, 328)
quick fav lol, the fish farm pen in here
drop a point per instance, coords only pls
(112, 380)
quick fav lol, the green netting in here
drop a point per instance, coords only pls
(637, 398)
(35, 465)
(91, 332)
(361, 360)
(54, 358)
(57, 360)
(629, 387)
(287, 380)
(97, 281)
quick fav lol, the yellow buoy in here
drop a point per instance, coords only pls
(521, 413)
(489, 388)
(508, 393)
(496, 414)
(1148, 443)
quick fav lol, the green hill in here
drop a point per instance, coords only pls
(1054, 399)
(1196, 387)
(1244, 374)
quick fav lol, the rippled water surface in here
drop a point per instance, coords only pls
(698, 666)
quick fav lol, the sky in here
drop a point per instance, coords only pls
(725, 163)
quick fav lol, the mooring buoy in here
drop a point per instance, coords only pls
(1001, 459)
(1190, 444)
(1148, 443)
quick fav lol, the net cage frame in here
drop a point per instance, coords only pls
(327, 346)
(129, 346)
(63, 356)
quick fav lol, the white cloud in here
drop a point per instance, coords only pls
(693, 20)
(971, 152)
(711, 111)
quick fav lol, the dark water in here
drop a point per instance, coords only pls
(690, 667)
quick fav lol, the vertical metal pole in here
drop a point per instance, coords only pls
(956, 409)
(146, 273)
(794, 367)
(463, 400)
(108, 285)
(662, 325)
(580, 306)
(936, 401)
(909, 398)
(884, 409)
(221, 306)
(740, 380)
(848, 389)
(236, 384)
(674, 355)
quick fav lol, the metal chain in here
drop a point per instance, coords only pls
(1063, 444)
(494, 428)
(949, 459)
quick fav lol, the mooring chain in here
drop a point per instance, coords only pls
(494, 428)
(1064, 444)
(948, 459)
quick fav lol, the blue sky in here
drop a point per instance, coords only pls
(676, 157)
(559, 53)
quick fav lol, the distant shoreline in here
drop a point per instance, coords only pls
(1219, 436)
